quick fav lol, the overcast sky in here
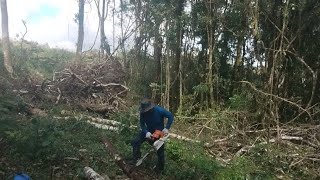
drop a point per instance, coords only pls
(52, 22)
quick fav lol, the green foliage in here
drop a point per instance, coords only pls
(201, 88)
(238, 102)
(39, 144)
(242, 168)
(188, 161)
(189, 106)
(42, 143)
(272, 158)
(10, 106)
(41, 60)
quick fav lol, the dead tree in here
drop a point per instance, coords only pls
(80, 18)
(5, 37)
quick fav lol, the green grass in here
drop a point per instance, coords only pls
(41, 145)
(47, 148)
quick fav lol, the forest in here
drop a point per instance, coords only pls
(241, 78)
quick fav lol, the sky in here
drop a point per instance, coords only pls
(52, 22)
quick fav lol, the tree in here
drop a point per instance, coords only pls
(80, 18)
(208, 50)
(103, 13)
(5, 37)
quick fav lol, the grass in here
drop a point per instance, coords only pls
(47, 148)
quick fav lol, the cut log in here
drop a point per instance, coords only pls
(90, 174)
(183, 138)
(105, 121)
(102, 126)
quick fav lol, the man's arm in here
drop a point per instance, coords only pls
(168, 115)
(143, 125)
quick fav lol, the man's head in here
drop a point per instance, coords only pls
(146, 105)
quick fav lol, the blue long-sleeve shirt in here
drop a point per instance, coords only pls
(154, 119)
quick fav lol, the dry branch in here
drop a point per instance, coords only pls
(277, 97)
(97, 87)
(59, 96)
(314, 77)
(78, 77)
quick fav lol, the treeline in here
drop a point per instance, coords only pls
(201, 54)
(193, 55)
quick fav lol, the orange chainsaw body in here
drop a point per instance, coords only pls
(157, 135)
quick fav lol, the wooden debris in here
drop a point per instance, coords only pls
(59, 96)
(88, 86)
(72, 158)
(37, 112)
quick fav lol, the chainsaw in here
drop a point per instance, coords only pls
(158, 139)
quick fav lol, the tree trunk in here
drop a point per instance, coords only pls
(113, 25)
(126, 65)
(5, 37)
(138, 36)
(102, 34)
(237, 65)
(167, 73)
(80, 30)
(157, 56)
(104, 45)
(210, 32)
(179, 36)
(157, 49)
(180, 76)
(168, 81)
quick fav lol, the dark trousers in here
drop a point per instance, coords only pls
(136, 144)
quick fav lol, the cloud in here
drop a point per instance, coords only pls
(52, 22)
(48, 21)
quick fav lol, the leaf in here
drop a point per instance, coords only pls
(34, 121)
(45, 143)
(10, 133)
(4, 110)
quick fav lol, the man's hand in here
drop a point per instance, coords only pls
(148, 135)
(165, 131)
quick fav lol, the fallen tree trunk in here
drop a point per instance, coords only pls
(102, 126)
(90, 174)
(183, 138)
(283, 137)
(120, 162)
